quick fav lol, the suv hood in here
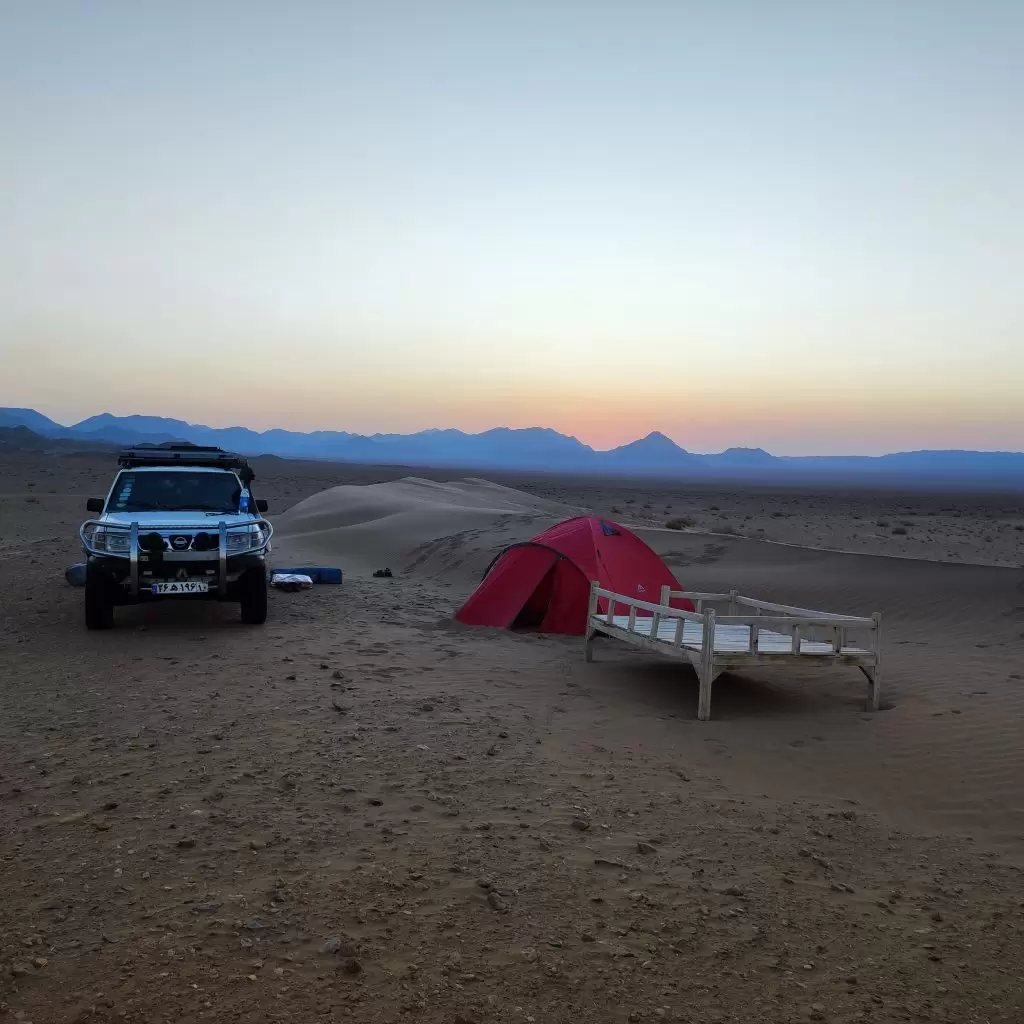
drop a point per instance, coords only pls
(178, 520)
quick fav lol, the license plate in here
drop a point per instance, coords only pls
(182, 587)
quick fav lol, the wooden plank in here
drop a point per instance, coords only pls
(789, 609)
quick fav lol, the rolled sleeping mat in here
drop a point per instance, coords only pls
(318, 574)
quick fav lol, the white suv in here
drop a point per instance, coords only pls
(180, 521)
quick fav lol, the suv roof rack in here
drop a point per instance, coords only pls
(174, 453)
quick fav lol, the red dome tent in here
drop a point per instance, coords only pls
(544, 583)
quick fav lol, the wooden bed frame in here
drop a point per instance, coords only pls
(750, 633)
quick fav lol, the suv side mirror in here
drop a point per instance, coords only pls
(261, 505)
(94, 505)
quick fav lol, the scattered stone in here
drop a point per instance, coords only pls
(352, 966)
(580, 824)
(645, 848)
(492, 750)
(427, 707)
(497, 902)
(186, 843)
(588, 937)
(340, 946)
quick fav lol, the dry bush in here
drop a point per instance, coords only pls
(679, 523)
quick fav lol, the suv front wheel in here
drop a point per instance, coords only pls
(99, 599)
(252, 595)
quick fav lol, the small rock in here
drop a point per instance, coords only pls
(588, 937)
(492, 750)
(503, 735)
(186, 843)
(352, 966)
(580, 824)
(337, 674)
(497, 902)
(19, 970)
(645, 848)
(427, 707)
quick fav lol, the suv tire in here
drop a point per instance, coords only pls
(99, 600)
(252, 595)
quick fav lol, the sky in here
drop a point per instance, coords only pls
(792, 225)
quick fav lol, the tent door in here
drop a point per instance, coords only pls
(531, 615)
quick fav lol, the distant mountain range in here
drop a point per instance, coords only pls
(533, 449)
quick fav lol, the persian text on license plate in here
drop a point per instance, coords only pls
(182, 587)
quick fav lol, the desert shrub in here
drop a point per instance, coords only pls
(679, 523)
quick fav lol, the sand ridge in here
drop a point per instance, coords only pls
(403, 522)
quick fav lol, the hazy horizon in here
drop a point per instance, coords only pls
(789, 226)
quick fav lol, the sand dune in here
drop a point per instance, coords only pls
(413, 523)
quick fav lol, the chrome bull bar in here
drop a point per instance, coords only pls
(87, 534)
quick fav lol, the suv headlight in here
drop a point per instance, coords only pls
(240, 541)
(114, 541)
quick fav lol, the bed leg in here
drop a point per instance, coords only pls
(874, 690)
(588, 646)
(875, 678)
(707, 666)
(704, 698)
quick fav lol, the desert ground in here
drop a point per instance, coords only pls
(363, 811)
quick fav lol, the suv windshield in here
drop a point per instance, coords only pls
(175, 491)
